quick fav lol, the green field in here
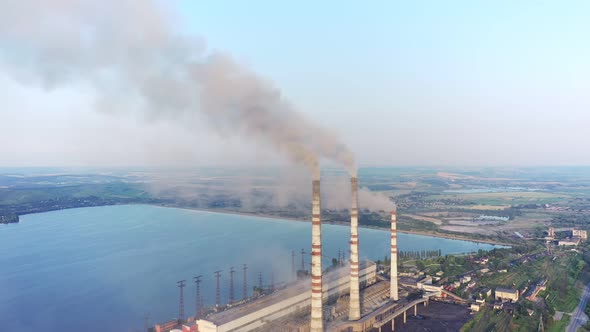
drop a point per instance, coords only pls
(505, 198)
(109, 190)
(559, 326)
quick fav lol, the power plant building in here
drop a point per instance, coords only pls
(295, 299)
(505, 294)
(307, 305)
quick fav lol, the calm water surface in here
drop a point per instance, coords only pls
(105, 268)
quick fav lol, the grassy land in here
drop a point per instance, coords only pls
(500, 321)
(559, 326)
(489, 320)
(108, 190)
(563, 292)
(505, 198)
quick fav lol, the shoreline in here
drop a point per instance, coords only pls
(267, 216)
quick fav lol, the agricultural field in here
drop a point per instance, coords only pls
(496, 200)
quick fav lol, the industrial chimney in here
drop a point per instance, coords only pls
(393, 291)
(355, 304)
(317, 322)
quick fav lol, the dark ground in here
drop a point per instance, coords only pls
(438, 317)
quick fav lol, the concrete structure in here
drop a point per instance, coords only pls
(317, 320)
(580, 233)
(551, 232)
(425, 281)
(485, 292)
(190, 327)
(167, 326)
(354, 309)
(465, 279)
(293, 300)
(436, 290)
(505, 294)
(393, 295)
(574, 241)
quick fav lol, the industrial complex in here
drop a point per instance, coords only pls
(351, 297)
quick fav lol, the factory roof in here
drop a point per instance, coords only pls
(506, 290)
(262, 302)
(233, 313)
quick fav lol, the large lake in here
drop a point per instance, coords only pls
(105, 268)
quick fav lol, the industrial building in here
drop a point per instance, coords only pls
(506, 294)
(574, 241)
(349, 298)
(292, 300)
(582, 234)
(577, 236)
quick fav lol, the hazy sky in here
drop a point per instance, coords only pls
(402, 83)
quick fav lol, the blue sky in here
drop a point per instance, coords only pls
(509, 78)
(402, 82)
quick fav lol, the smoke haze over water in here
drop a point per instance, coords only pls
(129, 54)
(286, 189)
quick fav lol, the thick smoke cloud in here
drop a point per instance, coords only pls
(129, 54)
(285, 189)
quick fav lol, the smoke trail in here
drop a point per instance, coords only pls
(129, 53)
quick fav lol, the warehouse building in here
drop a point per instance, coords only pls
(506, 294)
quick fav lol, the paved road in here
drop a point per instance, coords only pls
(579, 318)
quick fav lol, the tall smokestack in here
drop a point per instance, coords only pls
(393, 291)
(355, 303)
(317, 321)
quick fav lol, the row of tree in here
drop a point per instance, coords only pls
(419, 254)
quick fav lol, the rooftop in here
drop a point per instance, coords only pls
(506, 290)
(291, 290)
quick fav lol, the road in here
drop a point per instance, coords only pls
(579, 318)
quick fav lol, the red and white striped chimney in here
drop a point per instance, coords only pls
(354, 312)
(317, 321)
(393, 293)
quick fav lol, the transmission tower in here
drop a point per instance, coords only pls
(217, 289)
(231, 285)
(293, 272)
(181, 285)
(245, 285)
(260, 280)
(146, 322)
(198, 301)
(302, 260)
